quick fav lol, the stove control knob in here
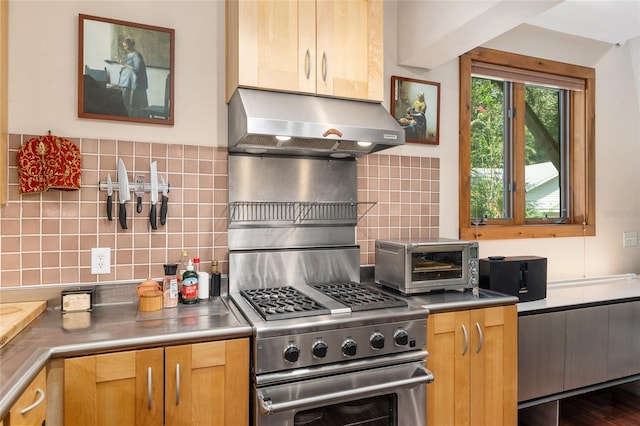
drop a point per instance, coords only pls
(292, 353)
(401, 337)
(377, 340)
(349, 347)
(319, 349)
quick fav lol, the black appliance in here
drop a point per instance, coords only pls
(521, 276)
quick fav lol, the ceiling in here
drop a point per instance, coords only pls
(449, 28)
(611, 21)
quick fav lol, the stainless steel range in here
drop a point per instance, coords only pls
(327, 350)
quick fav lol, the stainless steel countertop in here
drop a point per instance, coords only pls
(571, 294)
(458, 300)
(107, 328)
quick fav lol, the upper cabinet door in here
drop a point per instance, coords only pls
(331, 48)
(350, 49)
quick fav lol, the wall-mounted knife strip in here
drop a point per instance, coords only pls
(102, 186)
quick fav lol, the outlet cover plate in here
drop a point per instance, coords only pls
(100, 261)
(630, 239)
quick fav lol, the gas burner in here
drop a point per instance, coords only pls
(283, 302)
(359, 297)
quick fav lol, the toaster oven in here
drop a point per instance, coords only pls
(420, 266)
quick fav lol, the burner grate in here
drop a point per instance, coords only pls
(359, 297)
(282, 303)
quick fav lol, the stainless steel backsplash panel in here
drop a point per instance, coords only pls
(264, 185)
(279, 268)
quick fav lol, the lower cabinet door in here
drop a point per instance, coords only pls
(124, 388)
(473, 356)
(207, 383)
(31, 407)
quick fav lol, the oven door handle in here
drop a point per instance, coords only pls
(269, 406)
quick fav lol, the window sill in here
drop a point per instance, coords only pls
(504, 232)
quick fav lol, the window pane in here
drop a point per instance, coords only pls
(489, 200)
(542, 153)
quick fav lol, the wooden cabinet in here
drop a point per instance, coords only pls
(473, 356)
(198, 384)
(31, 407)
(325, 47)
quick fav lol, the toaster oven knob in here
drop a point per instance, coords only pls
(349, 347)
(377, 340)
(292, 353)
(319, 349)
(401, 337)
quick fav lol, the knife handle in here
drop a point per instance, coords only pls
(122, 215)
(139, 205)
(153, 217)
(109, 208)
(163, 210)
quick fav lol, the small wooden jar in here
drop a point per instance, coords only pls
(150, 295)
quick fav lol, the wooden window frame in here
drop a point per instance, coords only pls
(582, 150)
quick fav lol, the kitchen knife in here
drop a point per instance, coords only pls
(165, 201)
(154, 195)
(124, 195)
(139, 193)
(109, 197)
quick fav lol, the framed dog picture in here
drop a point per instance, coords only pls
(415, 104)
(125, 71)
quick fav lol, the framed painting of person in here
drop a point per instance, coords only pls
(125, 71)
(415, 104)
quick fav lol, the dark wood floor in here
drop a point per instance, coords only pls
(619, 406)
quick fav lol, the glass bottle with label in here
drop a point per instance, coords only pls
(189, 285)
(170, 286)
(214, 279)
(182, 268)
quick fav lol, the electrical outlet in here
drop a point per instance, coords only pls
(100, 261)
(629, 239)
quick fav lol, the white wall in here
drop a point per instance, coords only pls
(43, 96)
(43, 69)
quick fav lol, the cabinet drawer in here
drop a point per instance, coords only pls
(34, 397)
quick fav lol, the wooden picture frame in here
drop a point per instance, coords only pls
(125, 71)
(415, 104)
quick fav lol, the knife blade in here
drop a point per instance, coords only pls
(139, 192)
(165, 202)
(154, 195)
(109, 198)
(123, 193)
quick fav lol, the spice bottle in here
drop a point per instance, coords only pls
(214, 280)
(189, 285)
(196, 264)
(170, 286)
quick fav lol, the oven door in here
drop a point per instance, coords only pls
(391, 395)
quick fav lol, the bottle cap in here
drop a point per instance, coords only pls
(196, 260)
(190, 266)
(170, 269)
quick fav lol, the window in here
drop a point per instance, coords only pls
(526, 147)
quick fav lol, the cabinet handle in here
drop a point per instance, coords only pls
(481, 338)
(307, 64)
(35, 404)
(324, 66)
(149, 386)
(177, 384)
(466, 340)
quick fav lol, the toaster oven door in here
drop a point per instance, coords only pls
(439, 266)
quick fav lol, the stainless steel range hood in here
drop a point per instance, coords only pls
(261, 121)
